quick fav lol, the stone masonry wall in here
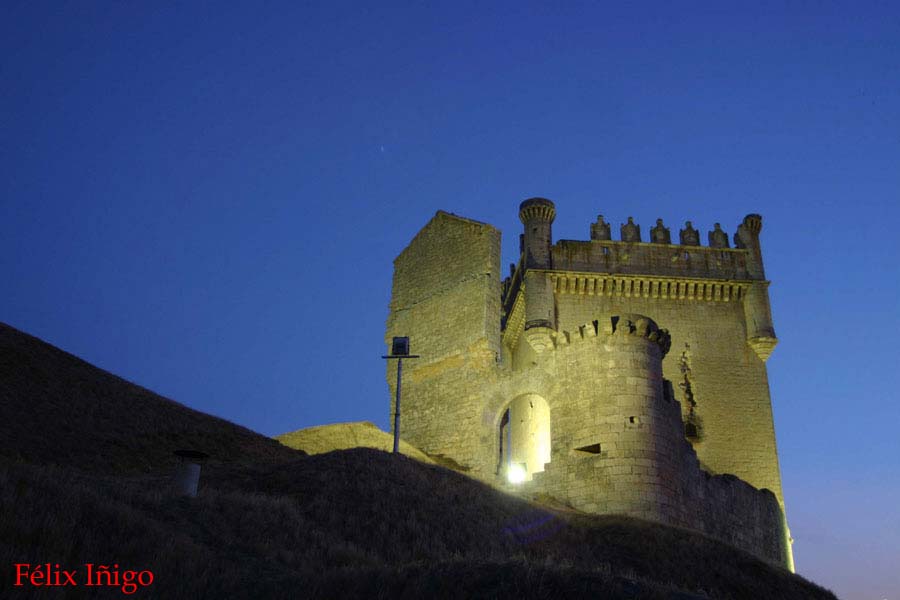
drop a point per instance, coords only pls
(446, 282)
(728, 380)
(736, 512)
(620, 407)
(446, 299)
(619, 446)
(617, 438)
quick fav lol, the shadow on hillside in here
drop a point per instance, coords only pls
(85, 477)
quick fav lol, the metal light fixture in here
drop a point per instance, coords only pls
(399, 350)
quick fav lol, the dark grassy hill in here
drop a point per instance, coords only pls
(57, 409)
(273, 523)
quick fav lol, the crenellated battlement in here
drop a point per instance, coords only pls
(630, 269)
(651, 259)
(630, 232)
(669, 269)
(660, 255)
(618, 325)
(641, 326)
(585, 332)
(537, 209)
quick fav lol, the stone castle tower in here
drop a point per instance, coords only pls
(611, 376)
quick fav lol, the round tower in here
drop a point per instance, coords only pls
(645, 456)
(537, 216)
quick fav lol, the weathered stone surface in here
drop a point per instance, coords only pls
(689, 236)
(630, 231)
(660, 234)
(560, 378)
(600, 230)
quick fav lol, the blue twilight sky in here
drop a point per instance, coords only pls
(205, 198)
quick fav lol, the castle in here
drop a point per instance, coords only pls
(610, 376)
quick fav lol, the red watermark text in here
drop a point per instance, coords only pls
(88, 575)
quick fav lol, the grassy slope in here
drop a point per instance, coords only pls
(272, 523)
(341, 436)
(58, 409)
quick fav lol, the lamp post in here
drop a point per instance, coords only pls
(399, 350)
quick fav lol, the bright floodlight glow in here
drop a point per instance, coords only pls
(515, 473)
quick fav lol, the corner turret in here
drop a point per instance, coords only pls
(747, 236)
(537, 216)
(757, 312)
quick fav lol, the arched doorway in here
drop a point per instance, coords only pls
(524, 432)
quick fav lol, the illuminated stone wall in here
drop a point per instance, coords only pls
(616, 388)
(728, 381)
(446, 299)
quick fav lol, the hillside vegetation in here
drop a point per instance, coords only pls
(85, 461)
(342, 436)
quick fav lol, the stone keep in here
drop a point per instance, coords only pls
(611, 376)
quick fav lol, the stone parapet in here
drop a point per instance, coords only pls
(637, 258)
(537, 209)
(644, 327)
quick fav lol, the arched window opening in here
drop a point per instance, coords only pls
(524, 432)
